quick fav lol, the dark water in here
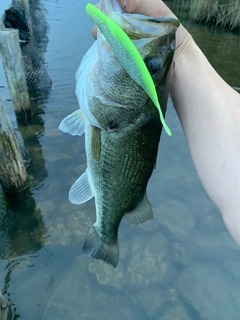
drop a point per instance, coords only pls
(181, 265)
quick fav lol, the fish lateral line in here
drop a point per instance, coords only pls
(125, 50)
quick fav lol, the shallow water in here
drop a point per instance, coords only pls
(181, 265)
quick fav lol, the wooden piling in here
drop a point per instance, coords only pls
(13, 67)
(26, 5)
(13, 174)
(3, 308)
(2, 26)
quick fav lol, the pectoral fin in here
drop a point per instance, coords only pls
(80, 191)
(74, 123)
(141, 213)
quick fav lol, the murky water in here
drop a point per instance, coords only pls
(181, 265)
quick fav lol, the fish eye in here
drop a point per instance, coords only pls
(112, 125)
(153, 64)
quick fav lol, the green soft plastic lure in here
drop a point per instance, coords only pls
(128, 55)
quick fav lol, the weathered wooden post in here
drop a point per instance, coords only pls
(15, 75)
(25, 4)
(1, 23)
(4, 307)
(13, 174)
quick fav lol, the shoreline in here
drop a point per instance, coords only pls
(216, 13)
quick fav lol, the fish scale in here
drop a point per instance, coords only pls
(122, 127)
(120, 168)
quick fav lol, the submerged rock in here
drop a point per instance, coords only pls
(150, 262)
(179, 253)
(219, 246)
(176, 217)
(47, 208)
(207, 290)
(151, 301)
(106, 274)
(80, 296)
(172, 296)
(232, 269)
(69, 229)
(211, 220)
(176, 312)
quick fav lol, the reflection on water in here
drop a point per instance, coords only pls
(221, 48)
(22, 227)
(181, 265)
(31, 130)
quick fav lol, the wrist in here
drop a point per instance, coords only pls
(183, 38)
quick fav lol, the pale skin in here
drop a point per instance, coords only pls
(209, 111)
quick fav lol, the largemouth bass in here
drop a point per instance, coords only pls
(122, 127)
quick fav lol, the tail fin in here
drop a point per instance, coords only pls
(96, 248)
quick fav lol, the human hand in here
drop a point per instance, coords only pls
(155, 8)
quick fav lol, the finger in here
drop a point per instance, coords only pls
(94, 32)
(94, 29)
(154, 8)
(130, 5)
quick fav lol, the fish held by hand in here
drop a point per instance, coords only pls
(121, 125)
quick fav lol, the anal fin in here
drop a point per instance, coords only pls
(142, 213)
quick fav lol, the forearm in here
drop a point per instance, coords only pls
(209, 111)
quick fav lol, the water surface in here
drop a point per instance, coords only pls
(181, 265)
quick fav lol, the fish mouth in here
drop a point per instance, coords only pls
(138, 26)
